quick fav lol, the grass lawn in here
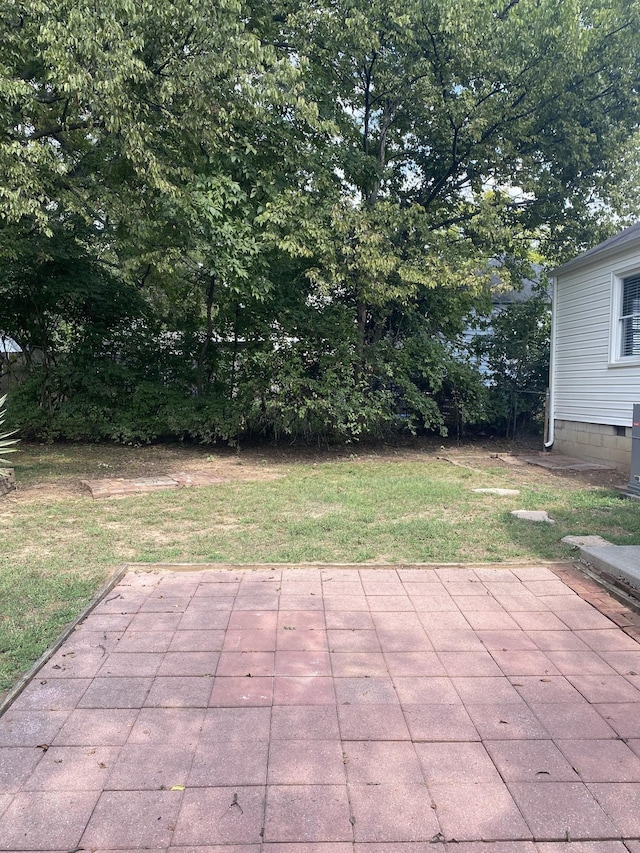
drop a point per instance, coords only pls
(59, 545)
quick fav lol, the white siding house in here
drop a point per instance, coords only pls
(8, 346)
(595, 351)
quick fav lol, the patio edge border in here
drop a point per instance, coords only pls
(26, 678)
(187, 567)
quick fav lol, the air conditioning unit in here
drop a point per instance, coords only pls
(633, 486)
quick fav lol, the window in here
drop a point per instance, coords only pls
(630, 317)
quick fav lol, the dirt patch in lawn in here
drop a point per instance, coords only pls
(55, 471)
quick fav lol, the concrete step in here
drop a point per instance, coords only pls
(621, 562)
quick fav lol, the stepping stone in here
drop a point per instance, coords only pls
(504, 492)
(196, 478)
(533, 515)
(560, 462)
(111, 487)
(117, 486)
(586, 541)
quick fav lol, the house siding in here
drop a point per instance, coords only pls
(587, 389)
(591, 396)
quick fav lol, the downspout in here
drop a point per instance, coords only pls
(552, 351)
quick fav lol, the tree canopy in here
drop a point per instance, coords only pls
(229, 217)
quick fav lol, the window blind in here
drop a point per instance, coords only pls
(630, 316)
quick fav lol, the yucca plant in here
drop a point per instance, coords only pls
(6, 441)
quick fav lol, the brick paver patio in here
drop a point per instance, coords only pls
(333, 710)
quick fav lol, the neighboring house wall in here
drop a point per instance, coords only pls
(500, 300)
(11, 359)
(594, 385)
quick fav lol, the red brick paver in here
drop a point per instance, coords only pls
(333, 710)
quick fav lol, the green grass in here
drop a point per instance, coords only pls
(57, 549)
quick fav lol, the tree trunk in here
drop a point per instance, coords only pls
(211, 289)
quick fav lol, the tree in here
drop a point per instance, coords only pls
(464, 132)
(134, 126)
(267, 177)
(437, 103)
(128, 151)
(515, 351)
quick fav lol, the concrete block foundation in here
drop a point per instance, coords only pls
(601, 443)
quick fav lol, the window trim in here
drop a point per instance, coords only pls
(616, 359)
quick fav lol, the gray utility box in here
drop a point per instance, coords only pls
(634, 480)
